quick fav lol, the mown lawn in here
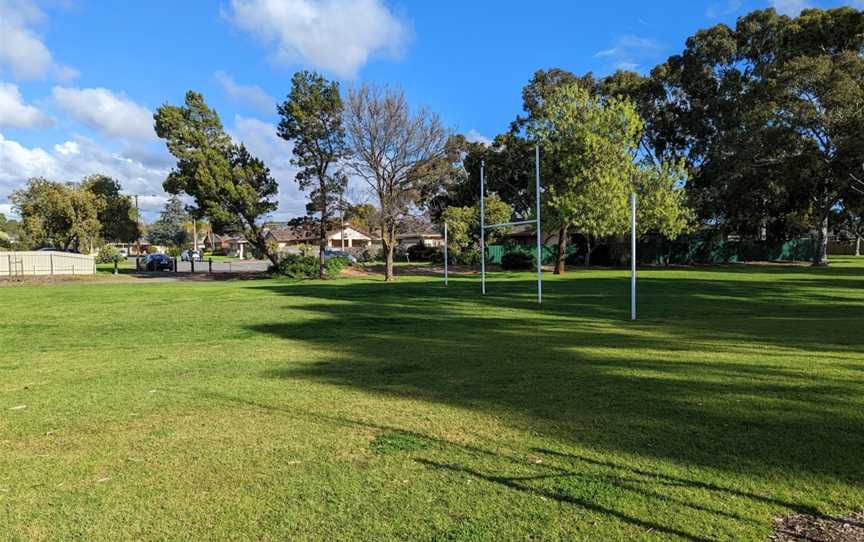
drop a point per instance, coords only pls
(358, 410)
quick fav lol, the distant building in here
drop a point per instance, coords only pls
(284, 235)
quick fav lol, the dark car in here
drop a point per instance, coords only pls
(158, 262)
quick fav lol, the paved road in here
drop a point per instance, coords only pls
(230, 266)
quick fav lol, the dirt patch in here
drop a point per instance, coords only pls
(803, 527)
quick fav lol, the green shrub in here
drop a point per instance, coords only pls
(336, 265)
(422, 253)
(517, 261)
(174, 252)
(296, 266)
(107, 254)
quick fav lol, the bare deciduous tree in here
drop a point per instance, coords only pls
(395, 150)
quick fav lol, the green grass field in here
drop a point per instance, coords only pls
(357, 410)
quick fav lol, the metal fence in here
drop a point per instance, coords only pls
(45, 263)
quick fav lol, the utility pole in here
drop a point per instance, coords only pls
(138, 223)
(342, 215)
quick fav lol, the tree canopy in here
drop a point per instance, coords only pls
(117, 213)
(232, 188)
(311, 118)
(61, 215)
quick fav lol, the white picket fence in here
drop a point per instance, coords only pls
(17, 264)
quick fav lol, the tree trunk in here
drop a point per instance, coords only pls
(322, 241)
(322, 246)
(587, 250)
(562, 251)
(259, 241)
(389, 240)
(858, 245)
(820, 254)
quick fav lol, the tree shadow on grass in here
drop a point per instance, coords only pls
(558, 476)
(749, 377)
(542, 479)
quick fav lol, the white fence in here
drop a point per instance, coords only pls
(16, 264)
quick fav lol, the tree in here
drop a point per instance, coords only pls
(10, 232)
(363, 216)
(57, 214)
(509, 164)
(312, 121)
(170, 228)
(662, 200)
(463, 223)
(233, 189)
(117, 213)
(396, 151)
(592, 142)
(769, 117)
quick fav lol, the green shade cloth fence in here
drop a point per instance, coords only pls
(662, 252)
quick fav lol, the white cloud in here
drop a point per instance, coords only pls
(473, 136)
(74, 159)
(630, 51)
(252, 95)
(111, 114)
(21, 49)
(14, 113)
(790, 7)
(334, 35)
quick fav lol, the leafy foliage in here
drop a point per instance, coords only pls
(296, 266)
(107, 254)
(117, 213)
(169, 229)
(463, 224)
(58, 214)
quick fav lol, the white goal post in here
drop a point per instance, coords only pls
(535, 221)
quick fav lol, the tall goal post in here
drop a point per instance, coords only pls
(482, 228)
(446, 270)
(536, 221)
(633, 256)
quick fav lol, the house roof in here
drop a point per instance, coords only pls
(424, 234)
(308, 232)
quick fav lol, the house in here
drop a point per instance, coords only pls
(237, 247)
(427, 237)
(284, 235)
(416, 230)
(234, 246)
(526, 234)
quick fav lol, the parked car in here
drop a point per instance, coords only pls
(158, 262)
(124, 253)
(191, 255)
(339, 254)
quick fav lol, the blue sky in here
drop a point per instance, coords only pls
(79, 79)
